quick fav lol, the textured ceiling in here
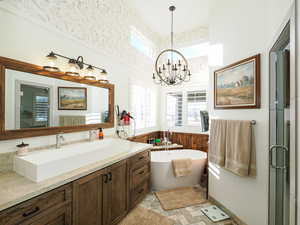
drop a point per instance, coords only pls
(189, 14)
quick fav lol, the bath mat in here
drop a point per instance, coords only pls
(142, 216)
(180, 197)
(214, 213)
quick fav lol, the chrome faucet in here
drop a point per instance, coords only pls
(59, 139)
(92, 134)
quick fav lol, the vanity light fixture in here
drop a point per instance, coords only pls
(75, 66)
(89, 73)
(51, 63)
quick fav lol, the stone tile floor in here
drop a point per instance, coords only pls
(185, 216)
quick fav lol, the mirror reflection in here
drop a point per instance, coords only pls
(34, 101)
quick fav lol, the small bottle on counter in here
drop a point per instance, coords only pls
(101, 134)
(22, 149)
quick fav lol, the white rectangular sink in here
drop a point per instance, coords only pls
(41, 165)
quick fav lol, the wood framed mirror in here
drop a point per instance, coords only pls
(35, 102)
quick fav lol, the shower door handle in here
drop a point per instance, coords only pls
(285, 151)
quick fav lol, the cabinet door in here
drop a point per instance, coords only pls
(117, 192)
(87, 199)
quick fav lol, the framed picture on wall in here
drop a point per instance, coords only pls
(237, 86)
(72, 98)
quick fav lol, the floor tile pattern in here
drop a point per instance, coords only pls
(186, 216)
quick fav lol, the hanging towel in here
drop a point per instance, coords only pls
(240, 157)
(182, 167)
(217, 142)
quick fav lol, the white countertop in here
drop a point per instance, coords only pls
(15, 189)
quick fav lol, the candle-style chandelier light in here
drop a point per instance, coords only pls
(171, 67)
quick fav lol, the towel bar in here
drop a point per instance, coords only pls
(253, 122)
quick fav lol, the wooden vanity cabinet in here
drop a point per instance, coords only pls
(101, 198)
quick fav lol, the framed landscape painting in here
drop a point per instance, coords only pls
(72, 98)
(237, 86)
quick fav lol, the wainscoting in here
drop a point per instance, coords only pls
(188, 140)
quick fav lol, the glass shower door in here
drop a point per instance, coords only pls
(279, 127)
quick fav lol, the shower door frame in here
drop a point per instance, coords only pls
(291, 20)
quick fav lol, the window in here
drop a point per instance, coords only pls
(174, 109)
(195, 50)
(143, 106)
(196, 101)
(183, 108)
(141, 43)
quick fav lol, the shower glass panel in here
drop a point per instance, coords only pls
(279, 128)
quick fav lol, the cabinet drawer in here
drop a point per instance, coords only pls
(139, 193)
(139, 159)
(55, 216)
(35, 206)
(140, 174)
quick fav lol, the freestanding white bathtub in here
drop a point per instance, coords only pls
(162, 176)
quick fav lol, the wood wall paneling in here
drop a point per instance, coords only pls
(188, 140)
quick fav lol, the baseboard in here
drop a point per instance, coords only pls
(231, 214)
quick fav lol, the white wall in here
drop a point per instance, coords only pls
(245, 28)
(31, 40)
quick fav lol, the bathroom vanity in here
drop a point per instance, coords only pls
(104, 196)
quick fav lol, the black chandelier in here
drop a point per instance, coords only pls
(171, 67)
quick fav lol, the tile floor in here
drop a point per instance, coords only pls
(185, 216)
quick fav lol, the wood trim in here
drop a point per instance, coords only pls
(7, 63)
(257, 79)
(2, 99)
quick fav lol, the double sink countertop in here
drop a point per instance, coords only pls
(15, 188)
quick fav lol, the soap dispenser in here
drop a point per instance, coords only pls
(101, 134)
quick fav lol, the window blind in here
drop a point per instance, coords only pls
(174, 109)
